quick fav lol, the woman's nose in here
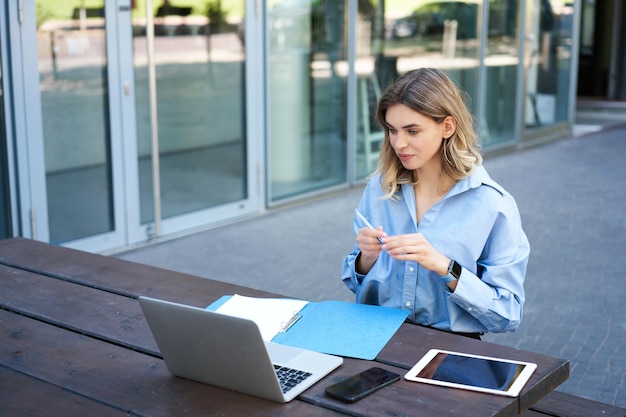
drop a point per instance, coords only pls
(400, 141)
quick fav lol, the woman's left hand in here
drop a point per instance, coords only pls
(415, 247)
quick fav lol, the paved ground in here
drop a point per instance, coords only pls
(571, 196)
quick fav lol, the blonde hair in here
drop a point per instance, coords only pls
(433, 94)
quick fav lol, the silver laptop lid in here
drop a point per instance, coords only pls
(212, 348)
(227, 351)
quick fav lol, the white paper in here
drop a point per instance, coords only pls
(270, 314)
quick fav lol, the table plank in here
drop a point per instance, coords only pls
(119, 276)
(24, 396)
(121, 378)
(90, 311)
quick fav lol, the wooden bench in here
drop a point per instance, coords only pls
(559, 404)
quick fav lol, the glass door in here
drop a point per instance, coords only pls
(76, 118)
(143, 114)
(307, 84)
(501, 74)
(190, 90)
(548, 52)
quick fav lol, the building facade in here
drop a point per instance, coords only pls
(127, 121)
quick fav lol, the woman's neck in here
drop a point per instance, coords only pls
(432, 182)
(428, 191)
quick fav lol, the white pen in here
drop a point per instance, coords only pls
(364, 220)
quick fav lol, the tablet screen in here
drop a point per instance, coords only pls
(474, 372)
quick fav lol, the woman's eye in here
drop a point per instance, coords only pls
(393, 131)
(413, 132)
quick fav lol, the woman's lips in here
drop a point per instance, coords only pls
(404, 157)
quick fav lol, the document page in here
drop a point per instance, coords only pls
(270, 314)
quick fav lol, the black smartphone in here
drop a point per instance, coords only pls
(358, 386)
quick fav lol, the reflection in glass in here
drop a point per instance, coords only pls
(307, 105)
(502, 67)
(75, 115)
(548, 58)
(396, 37)
(200, 67)
(588, 85)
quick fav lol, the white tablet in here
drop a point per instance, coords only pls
(472, 372)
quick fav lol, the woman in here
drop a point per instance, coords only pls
(453, 250)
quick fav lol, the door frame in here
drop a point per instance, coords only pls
(27, 144)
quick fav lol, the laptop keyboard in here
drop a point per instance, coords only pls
(290, 377)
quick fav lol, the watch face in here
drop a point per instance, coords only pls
(455, 270)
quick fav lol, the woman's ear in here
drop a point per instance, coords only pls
(448, 127)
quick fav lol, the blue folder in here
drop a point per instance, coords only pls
(340, 328)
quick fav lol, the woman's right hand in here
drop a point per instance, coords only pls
(370, 248)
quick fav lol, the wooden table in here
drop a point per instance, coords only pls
(75, 342)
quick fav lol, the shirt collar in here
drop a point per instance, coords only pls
(477, 178)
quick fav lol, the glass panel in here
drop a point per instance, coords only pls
(200, 68)
(307, 95)
(75, 114)
(394, 37)
(549, 58)
(5, 207)
(588, 85)
(502, 66)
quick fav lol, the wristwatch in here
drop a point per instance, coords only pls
(454, 272)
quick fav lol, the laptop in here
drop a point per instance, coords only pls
(229, 352)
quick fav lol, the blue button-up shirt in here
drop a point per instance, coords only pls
(477, 223)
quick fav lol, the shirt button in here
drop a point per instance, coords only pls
(469, 308)
(411, 269)
(408, 304)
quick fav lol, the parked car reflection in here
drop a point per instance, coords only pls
(428, 20)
